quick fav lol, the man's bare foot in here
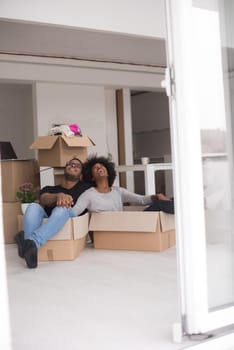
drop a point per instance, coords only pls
(162, 197)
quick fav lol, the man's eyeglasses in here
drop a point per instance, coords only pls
(74, 165)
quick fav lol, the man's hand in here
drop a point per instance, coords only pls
(64, 200)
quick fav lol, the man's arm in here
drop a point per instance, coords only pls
(60, 199)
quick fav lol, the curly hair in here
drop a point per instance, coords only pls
(88, 165)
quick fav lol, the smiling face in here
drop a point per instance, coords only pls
(99, 171)
(73, 170)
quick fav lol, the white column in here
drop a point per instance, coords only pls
(128, 136)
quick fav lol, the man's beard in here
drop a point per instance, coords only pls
(71, 177)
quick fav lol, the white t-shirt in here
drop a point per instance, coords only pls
(95, 201)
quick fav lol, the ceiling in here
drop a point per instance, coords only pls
(65, 42)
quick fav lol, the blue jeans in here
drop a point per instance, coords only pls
(40, 232)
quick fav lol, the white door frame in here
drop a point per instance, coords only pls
(188, 181)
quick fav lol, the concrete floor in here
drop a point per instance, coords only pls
(104, 300)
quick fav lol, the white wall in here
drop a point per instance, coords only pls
(84, 105)
(16, 117)
(124, 16)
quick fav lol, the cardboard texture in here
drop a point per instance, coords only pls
(133, 230)
(10, 225)
(55, 151)
(15, 173)
(58, 175)
(58, 179)
(134, 207)
(68, 243)
(61, 250)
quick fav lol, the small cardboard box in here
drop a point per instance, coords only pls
(146, 231)
(15, 173)
(68, 243)
(55, 151)
(10, 224)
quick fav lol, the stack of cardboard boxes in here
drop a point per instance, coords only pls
(15, 173)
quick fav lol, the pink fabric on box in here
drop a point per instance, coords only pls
(75, 129)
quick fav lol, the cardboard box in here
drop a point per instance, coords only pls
(58, 175)
(55, 151)
(15, 173)
(146, 231)
(68, 243)
(134, 207)
(10, 224)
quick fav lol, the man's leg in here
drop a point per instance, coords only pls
(53, 225)
(32, 219)
(42, 234)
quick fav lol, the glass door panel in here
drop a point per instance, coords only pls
(201, 62)
(214, 111)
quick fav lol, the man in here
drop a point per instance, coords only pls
(55, 204)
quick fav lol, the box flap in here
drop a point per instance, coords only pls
(81, 226)
(65, 233)
(78, 141)
(167, 221)
(44, 142)
(124, 221)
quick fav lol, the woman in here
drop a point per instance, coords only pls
(103, 196)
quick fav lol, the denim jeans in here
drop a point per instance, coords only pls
(160, 205)
(40, 232)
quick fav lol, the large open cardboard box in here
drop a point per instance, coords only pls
(15, 173)
(133, 230)
(68, 243)
(55, 151)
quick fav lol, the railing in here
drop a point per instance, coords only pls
(149, 171)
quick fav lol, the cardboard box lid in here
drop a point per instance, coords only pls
(47, 142)
(81, 226)
(124, 221)
(167, 221)
(44, 142)
(78, 141)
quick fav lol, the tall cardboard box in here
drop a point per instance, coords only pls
(68, 243)
(15, 173)
(10, 224)
(55, 151)
(129, 230)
